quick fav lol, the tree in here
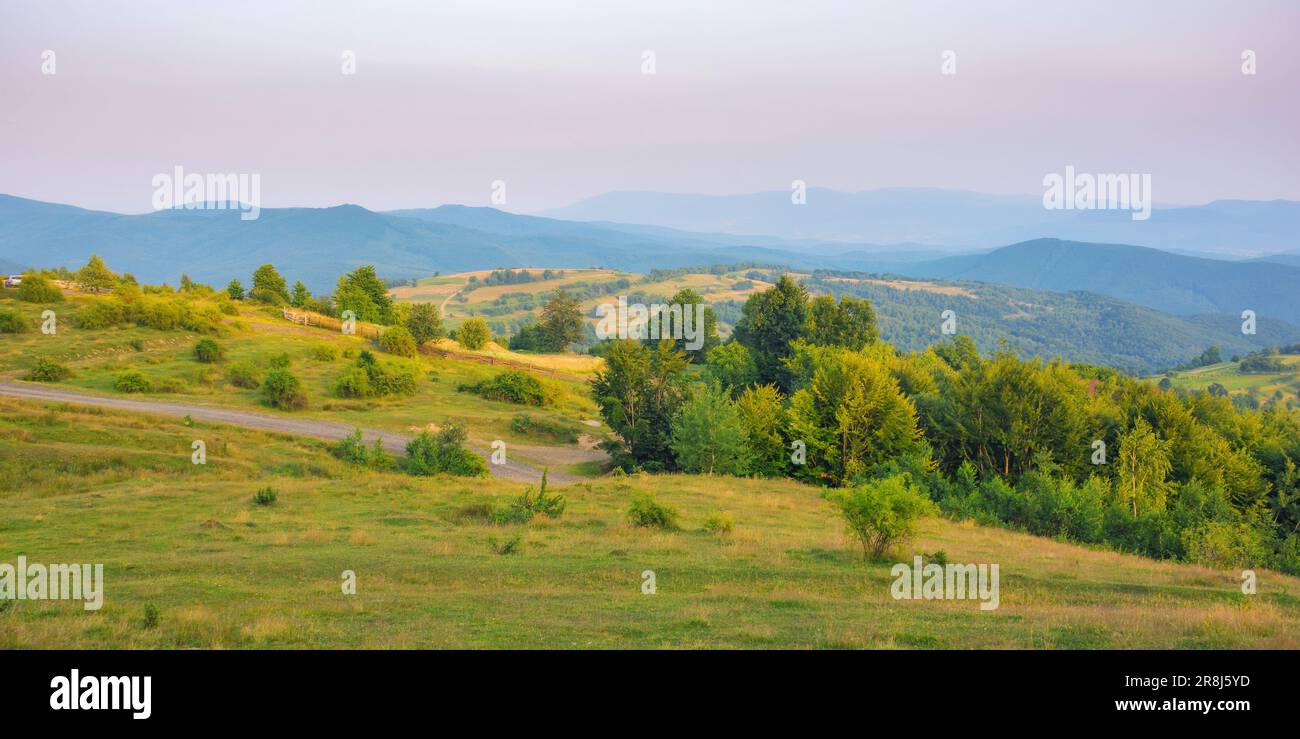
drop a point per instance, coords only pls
(733, 366)
(363, 292)
(397, 340)
(638, 391)
(424, 323)
(474, 334)
(281, 389)
(429, 454)
(850, 324)
(1143, 469)
(269, 286)
(95, 276)
(771, 321)
(707, 323)
(36, 289)
(763, 418)
(561, 321)
(300, 295)
(236, 290)
(851, 416)
(530, 338)
(707, 434)
(881, 513)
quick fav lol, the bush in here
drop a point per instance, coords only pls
(528, 505)
(12, 322)
(99, 315)
(353, 382)
(325, 352)
(708, 435)
(881, 513)
(131, 381)
(151, 616)
(513, 386)
(1222, 544)
(47, 370)
(397, 340)
(282, 390)
(512, 545)
(280, 361)
(265, 497)
(474, 334)
(244, 374)
(369, 378)
(37, 289)
(208, 351)
(529, 425)
(719, 523)
(645, 512)
(428, 454)
(352, 449)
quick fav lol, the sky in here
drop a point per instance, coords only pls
(551, 98)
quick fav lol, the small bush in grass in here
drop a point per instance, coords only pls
(99, 315)
(47, 370)
(151, 616)
(244, 374)
(513, 386)
(37, 289)
(136, 344)
(12, 322)
(281, 389)
(325, 352)
(353, 382)
(397, 340)
(512, 545)
(881, 513)
(719, 523)
(265, 496)
(529, 425)
(208, 351)
(428, 454)
(281, 361)
(645, 512)
(528, 505)
(353, 449)
(131, 381)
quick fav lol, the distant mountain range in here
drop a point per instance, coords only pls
(1172, 283)
(954, 218)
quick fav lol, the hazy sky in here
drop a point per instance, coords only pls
(550, 97)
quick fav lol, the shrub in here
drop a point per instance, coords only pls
(645, 512)
(37, 289)
(208, 351)
(428, 454)
(352, 449)
(281, 389)
(424, 322)
(528, 505)
(353, 382)
(131, 381)
(99, 315)
(151, 616)
(512, 386)
(708, 435)
(280, 361)
(512, 545)
(529, 425)
(1222, 544)
(719, 523)
(397, 340)
(243, 374)
(474, 334)
(325, 352)
(369, 378)
(12, 322)
(47, 370)
(881, 513)
(265, 496)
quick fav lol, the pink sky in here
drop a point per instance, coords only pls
(550, 98)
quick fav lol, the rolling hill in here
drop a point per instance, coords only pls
(1168, 282)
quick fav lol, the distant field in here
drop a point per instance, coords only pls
(1282, 386)
(224, 573)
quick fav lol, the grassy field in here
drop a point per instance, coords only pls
(82, 485)
(258, 334)
(1283, 386)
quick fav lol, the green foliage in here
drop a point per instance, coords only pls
(882, 513)
(559, 431)
(131, 381)
(639, 391)
(300, 295)
(719, 523)
(850, 324)
(235, 290)
(325, 352)
(369, 377)
(772, 321)
(1226, 544)
(95, 276)
(762, 415)
(265, 496)
(397, 340)
(352, 449)
(709, 323)
(12, 322)
(424, 323)
(1261, 364)
(244, 374)
(151, 616)
(646, 512)
(269, 286)
(708, 435)
(561, 321)
(281, 389)
(208, 351)
(36, 289)
(513, 544)
(732, 366)
(99, 315)
(363, 292)
(513, 386)
(530, 504)
(429, 454)
(531, 338)
(47, 370)
(473, 334)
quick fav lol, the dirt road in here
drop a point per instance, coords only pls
(394, 442)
